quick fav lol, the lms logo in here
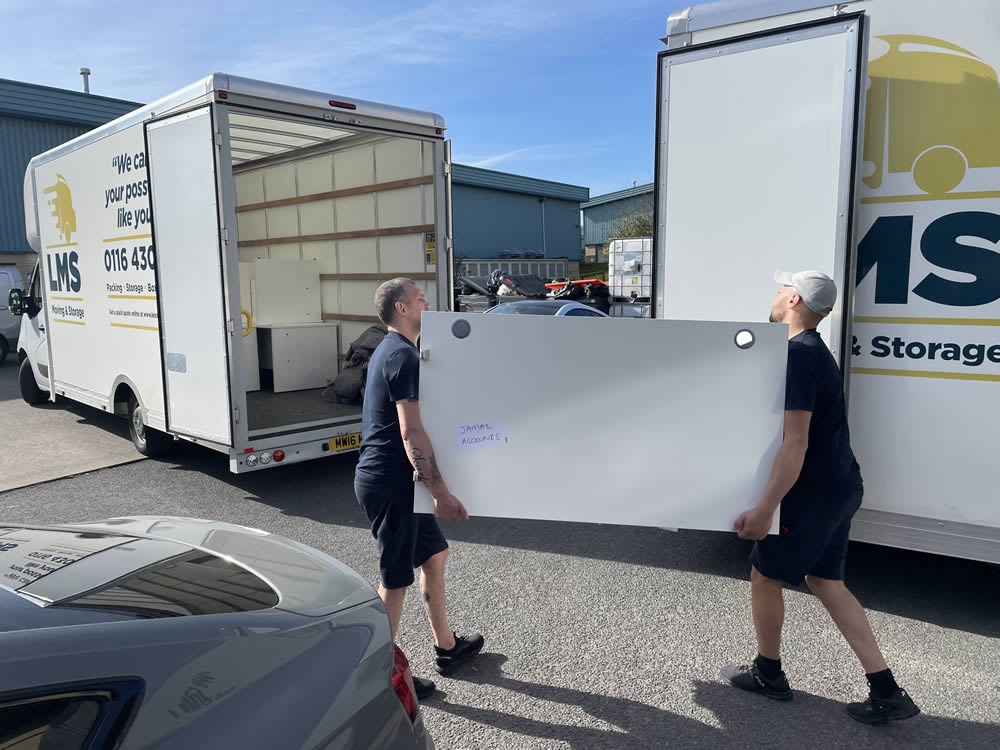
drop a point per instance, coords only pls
(67, 269)
(932, 115)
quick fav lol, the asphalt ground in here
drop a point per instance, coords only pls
(50, 441)
(601, 636)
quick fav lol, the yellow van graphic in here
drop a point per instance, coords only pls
(62, 206)
(933, 109)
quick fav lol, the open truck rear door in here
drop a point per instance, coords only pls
(194, 332)
(757, 154)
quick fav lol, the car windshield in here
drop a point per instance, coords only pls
(526, 308)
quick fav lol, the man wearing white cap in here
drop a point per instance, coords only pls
(816, 482)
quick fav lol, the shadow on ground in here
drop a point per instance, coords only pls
(745, 720)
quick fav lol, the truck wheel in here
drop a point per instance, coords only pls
(147, 441)
(4, 349)
(30, 391)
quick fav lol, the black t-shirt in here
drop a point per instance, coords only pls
(814, 384)
(393, 375)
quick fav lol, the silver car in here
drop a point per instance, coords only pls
(159, 632)
(557, 307)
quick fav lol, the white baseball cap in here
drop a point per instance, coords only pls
(816, 289)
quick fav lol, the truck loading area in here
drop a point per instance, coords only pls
(324, 215)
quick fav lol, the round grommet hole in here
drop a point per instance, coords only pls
(744, 339)
(460, 329)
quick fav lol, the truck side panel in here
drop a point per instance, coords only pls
(925, 351)
(98, 259)
(925, 394)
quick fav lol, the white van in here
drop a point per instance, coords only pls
(206, 261)
(10, 325)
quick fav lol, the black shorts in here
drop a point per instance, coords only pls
(813, 535)
(405, 540)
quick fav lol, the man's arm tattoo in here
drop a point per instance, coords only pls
(427, 468)
(419, 463)
(435, 472)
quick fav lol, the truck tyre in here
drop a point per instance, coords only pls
(4, 349)
(147, 441)
(30, 391)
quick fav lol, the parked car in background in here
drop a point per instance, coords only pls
(557, 307)
(159, 632)
(10, 324)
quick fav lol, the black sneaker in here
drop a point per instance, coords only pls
(897, 707)
(749, 677)
(466, 646)
(424, 688)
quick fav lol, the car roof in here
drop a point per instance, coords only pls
(541, 304)
(47, 565)
(547, 306)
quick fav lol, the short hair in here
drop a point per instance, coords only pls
(387, 295)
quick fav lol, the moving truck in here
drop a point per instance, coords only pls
(859, 138)
(206, 261)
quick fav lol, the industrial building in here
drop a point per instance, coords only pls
(500, 220)
(533, 225)
(603, 216)
(34, 119)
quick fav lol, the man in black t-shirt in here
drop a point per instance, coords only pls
(394, 447)
(817, 483)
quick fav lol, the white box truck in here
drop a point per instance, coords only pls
(206, 261)
(862, 139)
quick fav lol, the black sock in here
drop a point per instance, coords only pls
(770, 668)
(883, 684)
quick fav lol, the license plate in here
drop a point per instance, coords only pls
(345, 442)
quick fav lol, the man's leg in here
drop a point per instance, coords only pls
(850, 618)
(432, 585)
(430, 555)
(395, 531)
(887, 701)
(393, 599)
(768, 605)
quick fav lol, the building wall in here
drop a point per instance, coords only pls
(488, 222)
(21, 139)
(599, 221)
(34, 119)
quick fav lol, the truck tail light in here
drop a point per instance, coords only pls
(279, 456)
(402, 682)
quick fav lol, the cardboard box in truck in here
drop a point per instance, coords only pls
(859, 138)
(206, 261)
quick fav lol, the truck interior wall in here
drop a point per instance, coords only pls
(319, 228)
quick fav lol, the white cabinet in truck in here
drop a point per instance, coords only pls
(166, 235)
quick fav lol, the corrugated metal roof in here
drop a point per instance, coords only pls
(619, 195)
(601, 220)
(20, 139)
(29, 100)
(512, 183)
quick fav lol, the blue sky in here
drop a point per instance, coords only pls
(551, 89)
